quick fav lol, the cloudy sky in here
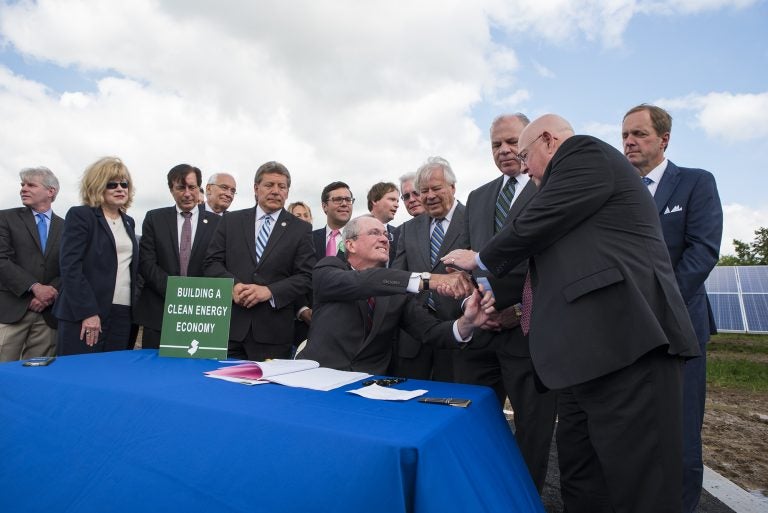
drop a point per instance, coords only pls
(363, 91)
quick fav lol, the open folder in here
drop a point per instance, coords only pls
(292, 373)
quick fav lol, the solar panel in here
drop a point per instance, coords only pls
(756, 308)
(754, 279)
(727, 311)
(722, 279)
(739, 297)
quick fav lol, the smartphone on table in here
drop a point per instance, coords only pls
(39, 361)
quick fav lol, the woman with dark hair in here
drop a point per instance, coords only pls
(98, 261)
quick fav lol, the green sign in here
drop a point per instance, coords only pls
(196, 317)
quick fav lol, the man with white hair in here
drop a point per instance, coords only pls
(220, 192)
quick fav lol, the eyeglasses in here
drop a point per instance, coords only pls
(226, 188)
(113, 185)
(340, 200)
(407, 195)
(384, 382)
(523, 159)
(375, 232)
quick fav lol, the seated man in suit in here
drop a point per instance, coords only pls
(360, 305)
(174, 241)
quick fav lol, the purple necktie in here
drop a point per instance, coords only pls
(185, 246)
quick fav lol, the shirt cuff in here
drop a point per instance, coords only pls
(413, 283)
(457, 335)
(298, 314)
(479, 262)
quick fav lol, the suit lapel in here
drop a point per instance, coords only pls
(528, 192)
(102, 221)
(278, 230)
(484, 229)
(249, 234)
(169, 219)
(666, 187)
(382, 304)
(28, 219)
(54, 232)
(422, 241)
(200, 231)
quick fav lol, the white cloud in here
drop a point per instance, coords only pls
(543, 71)
(740, 222)
(729, 116)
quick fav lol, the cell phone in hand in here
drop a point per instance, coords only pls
(39, 361)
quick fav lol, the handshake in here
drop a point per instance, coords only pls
(456, 284)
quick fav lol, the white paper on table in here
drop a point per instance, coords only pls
(321, 378)
(386, 393)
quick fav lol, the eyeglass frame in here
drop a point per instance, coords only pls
(341, 200)
(407, 196)
(226, 188)
(522, 159)
(375, 232)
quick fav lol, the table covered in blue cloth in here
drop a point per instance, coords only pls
(131, 431)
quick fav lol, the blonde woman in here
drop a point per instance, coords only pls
(98, 261)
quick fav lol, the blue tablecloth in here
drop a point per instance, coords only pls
(130, 431)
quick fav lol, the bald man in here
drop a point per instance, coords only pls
(608, 327)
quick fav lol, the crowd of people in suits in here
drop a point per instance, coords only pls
(572, 284)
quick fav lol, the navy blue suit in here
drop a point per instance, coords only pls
(692, 222)
(88, 263)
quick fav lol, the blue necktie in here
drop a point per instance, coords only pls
(42, 229)
(434, 249)
(647, 181)
(261, 240)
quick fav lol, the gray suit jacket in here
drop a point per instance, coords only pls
(481, 211)
(413, 254)
(604, 293)
(22, 262)
(337, 337)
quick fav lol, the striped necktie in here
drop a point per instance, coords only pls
(261, 240)
(647, 181)
(434, 249)
(503, 202)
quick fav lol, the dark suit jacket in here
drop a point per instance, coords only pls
(337, 336)
(285, 267)
(318, 241)
(159, 258)
(22, 262)
(693, 233)
(89, 264)
(413, 254)
(395, 231)
(604, 293)
(480, 222)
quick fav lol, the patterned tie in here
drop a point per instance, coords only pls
(185, 246)
(434, 249)
(261, 240)
(525, 318)
(332, 247)
(436, 241)
(371, 310)
(42, 230)
(503, 202)
(647, 181)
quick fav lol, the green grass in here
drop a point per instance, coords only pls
(736, 361)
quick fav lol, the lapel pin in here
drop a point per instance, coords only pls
(205, 221)
(283, 223)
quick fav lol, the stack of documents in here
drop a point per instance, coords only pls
(292, 373)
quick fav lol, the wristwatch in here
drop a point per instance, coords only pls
(425, 277)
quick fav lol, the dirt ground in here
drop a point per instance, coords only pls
(735, 437)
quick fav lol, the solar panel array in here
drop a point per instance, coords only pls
(739, 298)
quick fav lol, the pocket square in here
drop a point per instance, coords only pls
(676, 208)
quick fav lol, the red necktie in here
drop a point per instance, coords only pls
(369, 320)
